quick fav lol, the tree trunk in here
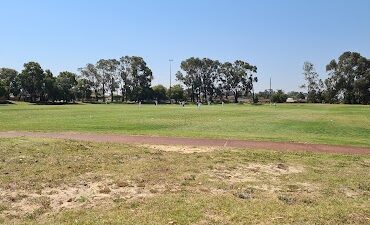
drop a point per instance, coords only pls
(192, 94)
(122, 92)
(103, 92)
(205, 94)
(126, 94)
(253, 95)
(111, 90)
(33, 97)
(42, 99)
(96, 95)
(236, 96)
(199, 96)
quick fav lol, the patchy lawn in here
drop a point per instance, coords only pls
(44, 181)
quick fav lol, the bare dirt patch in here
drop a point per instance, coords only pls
(350, 193)
(182, 149)
(84, 195)
(90, 192)
(252, 172)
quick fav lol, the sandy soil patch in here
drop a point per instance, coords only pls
(84, 195)
(182, 149)
(252, 172)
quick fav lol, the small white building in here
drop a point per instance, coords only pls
(290, 100)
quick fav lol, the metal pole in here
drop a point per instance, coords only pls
(270, 92)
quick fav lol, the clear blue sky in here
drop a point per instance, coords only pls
(275, 35)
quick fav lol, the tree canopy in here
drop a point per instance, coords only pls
(129, 79)
(349, 78)
(206, 78)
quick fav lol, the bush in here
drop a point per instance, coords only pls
(279, 97)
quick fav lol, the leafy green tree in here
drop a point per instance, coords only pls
(90, 73)
(296, 95)
(187, 80)
(279, 97)
(313, 84)
(206, 78)
(103, 67)
(264, 94)
(131, 74)
(113, 76)
(50, 90)
(108, 70)
(146, 94)
(66, 82)
(238, 77)
(177, 93)
(32, 79)
(209, 76)
(349, 78)
(249, 86)
(160, 92)
(139, 76)
(200, 77)
(125, 71)
(330, 94)
(16, 87)
(8, 78)
(2, 90)
(191, 77)
(220, 91)
(83, 89)
(362, 89)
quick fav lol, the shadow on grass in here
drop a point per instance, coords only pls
(5, 102)
(55, 103)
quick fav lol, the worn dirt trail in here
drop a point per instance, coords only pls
(193, 142)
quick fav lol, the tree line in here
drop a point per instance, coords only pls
(129, 75)
(35, 84)
(348, 81)
(129, 79)
(206, 79)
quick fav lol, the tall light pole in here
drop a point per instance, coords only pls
(270, 92)
(170, 60)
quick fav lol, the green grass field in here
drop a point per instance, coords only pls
(329, 124)
(46, 181)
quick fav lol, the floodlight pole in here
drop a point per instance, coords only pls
(270, 92)
(170, 94)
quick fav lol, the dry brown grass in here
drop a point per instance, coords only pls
(49, 181)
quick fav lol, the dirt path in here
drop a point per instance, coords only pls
(193, 142)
